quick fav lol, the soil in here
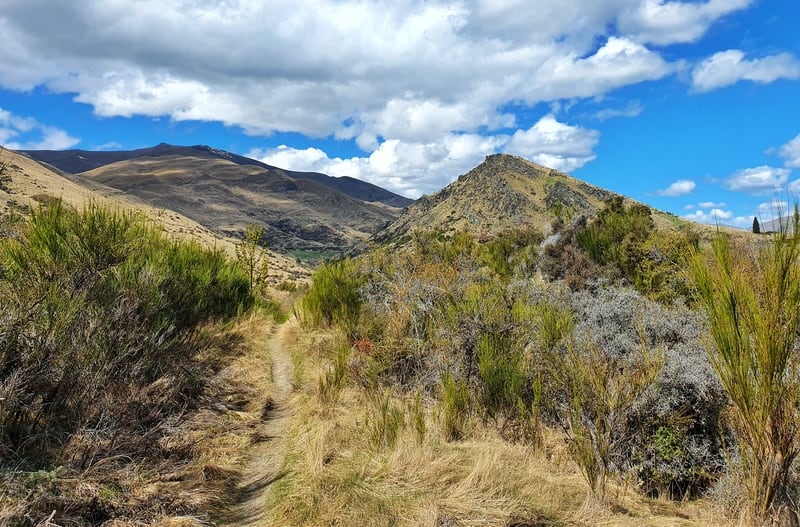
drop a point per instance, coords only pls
(264, 468)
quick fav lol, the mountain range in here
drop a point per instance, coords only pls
(304, 212)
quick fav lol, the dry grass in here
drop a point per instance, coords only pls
(32, 183)
(337, 476)
(174, 474)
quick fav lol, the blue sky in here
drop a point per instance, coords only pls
(690, 106)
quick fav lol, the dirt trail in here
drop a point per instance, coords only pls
(267, 455)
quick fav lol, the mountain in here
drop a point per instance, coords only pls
(502, 192)
(304, 212)
(77, 161)
(26, 183)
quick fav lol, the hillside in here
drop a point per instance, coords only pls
(32, 183)
(507, 191)
(305, 213)
(77, 161)
(501, 192)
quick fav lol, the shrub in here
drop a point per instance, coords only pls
(95, 305)
(334, 297)
(503, 379)
(753, 306)
(455, 407)
(601, 391)
(686, 396)
(385, 421)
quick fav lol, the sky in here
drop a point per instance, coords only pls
(689, 106)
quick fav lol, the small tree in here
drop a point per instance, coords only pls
(753, 306)
(252, 256)
(756, 226)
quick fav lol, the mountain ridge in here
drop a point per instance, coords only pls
(77, 161)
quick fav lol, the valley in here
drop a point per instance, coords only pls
(519, 349)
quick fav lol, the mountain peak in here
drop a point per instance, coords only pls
(503, 192)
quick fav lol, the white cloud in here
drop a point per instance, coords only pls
(26, 133)
(712, 216)
(731, 66)
(397, 70)
(758, 180)
(678, 188)
(555, 144)
(633, 109)
(667, 22)
(711, 204)
(790, 152)
(413, 169)
(409, 169)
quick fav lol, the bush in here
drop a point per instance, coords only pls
(503, 379)
(95, 305)
(455, 399)
(334, 297)
(753, 305)
(686, 397)
(601, 391)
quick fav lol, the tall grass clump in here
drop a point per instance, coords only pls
(455, 400)
(502, 375)
(753, 304)
(334, 297)
(600, 392)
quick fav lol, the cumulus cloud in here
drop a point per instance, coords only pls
(678, 188)
(758, 180)
(729, 67)
(413, 169)
(790, 152)
(711, 204)
(25, 133)
(555, 144)
(709, 216)
(391, 70)
(667, 22)
(409, 169)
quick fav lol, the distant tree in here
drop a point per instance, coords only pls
(252, 256)
(756, 226)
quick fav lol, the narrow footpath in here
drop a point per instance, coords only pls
(267, 455)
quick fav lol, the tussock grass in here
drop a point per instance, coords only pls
(335, 475)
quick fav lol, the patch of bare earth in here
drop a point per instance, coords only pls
(266, 456)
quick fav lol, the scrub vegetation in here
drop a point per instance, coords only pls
(590, 351)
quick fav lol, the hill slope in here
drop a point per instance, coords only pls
(224, 192)
(32, 183)
(501, 192)
(77, 161)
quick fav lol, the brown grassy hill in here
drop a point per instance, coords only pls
(31, 183)
(300, 215)
(506, 191)
(77, 161)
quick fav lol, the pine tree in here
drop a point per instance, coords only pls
(756, 226)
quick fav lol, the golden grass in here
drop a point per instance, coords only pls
(337, 476)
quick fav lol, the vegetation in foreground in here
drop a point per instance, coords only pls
(112, 352)
(590, 344)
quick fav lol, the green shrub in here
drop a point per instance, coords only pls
(336, 376)
(385, 421)
(455, 407)
(600, 391)
(753, 306)
(503, 378)
(334, 297)
(95, 304)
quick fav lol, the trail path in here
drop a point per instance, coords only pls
(267, 455)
